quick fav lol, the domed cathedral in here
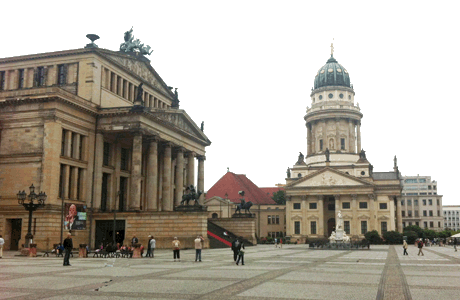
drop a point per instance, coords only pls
(335, 175)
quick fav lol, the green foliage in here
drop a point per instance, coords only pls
(279, 197)
(429, 234)
(373, 237)
(411, 236)
(415, 229)
(393, 237)
(269, 239)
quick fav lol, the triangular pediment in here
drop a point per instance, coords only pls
(178, 118)
(215, 200)
(329, 177)
(142, 69)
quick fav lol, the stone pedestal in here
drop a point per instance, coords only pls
(339, 235)
(243, 215)
(191, 208)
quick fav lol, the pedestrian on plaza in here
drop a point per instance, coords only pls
(176, 248)
(236, 246)
(68, 246)
(152, 246)
(198, 246)
(134, 241)
(2, 242)
(276, 243)
(281, 242)
(149, 249)
(455, 245)
(405, 248)
(241, 253)
(420, 246)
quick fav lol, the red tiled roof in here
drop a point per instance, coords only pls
(232, 183)
(270, 190)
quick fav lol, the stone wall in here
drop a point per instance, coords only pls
(244, 227)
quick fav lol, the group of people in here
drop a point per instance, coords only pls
(419, 243)
(238, 250)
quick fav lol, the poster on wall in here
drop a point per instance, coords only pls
(75, 216)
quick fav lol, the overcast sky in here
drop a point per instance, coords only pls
(246, 68)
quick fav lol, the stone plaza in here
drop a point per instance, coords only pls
(293, 272)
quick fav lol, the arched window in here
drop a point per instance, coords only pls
(215, 215)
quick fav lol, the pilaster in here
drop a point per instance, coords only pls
(136, 165)
(321, 215)
(152, 176)
(98, 157)
(167, 203)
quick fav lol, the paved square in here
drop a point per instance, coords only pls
(293, 272)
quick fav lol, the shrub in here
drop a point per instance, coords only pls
(411, 236)
(373, 237)
(393, 237)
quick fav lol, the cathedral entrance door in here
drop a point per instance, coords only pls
(330, 226)
(104, 232)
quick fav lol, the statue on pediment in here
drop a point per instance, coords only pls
(328, 153)
(134, 45)
(175, 102)
(300, 159)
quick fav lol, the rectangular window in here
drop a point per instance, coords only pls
(403, 213)
(409, 202)
(106, 158)
(104, 191)
(415, 213)
(21, 79)
(431, 224)
(313, 205)
(425, 224)
(40, 76)
(269, 220)
(384, 227)
(61, 182)
(439, 214)
(430, 201)
(342, 144)
(124, 159)
(2, 80)
(277, 219)
(439, 224)
(402, 202)
(404, 224)
(346, 226)
(296, 205)
(297, 227)
(431, 213)
(383, 205)
(62, 74)
(345, 205)
(424, 213)
(331, 206)
(363, 227)
(416, 223)
(424, 201)
(409, 213)
(320, 145)
(363, 205)
(313, 227)
(437, 202)
(416, 202)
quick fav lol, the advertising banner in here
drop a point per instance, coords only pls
(75, 216)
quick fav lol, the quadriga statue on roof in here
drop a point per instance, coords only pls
(134, 45)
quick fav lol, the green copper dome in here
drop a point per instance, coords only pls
(332, 74)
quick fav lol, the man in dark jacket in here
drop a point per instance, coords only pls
(68, 246)
(236, 246)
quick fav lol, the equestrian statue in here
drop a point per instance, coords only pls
(191, 194)
(244, 205)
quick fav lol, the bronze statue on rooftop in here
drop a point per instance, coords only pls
(134, 45)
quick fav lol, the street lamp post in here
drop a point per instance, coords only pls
(31, 206)
(115, 221)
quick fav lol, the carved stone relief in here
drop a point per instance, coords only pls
(175, 119)
(327, 180)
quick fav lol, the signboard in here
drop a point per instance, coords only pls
(75, 216)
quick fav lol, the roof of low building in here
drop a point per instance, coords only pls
(230, 184)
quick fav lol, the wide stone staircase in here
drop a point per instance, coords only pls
(221, 238)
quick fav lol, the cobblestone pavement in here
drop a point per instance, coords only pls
(293, 272)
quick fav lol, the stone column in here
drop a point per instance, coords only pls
(200, 184)
(350, 136)
(98, 160)
(321, 215)
(76, 146)
(74, 185)
(7, 82)
(373, 215)
(191, 169)
(66, 181)
(359, 135)
(83, 180)
(167, 203)
(309, 150)
(338, 144)
(136, 165)
(115, 186)
(152, 176)
(325, 143)
(398, 213)
(179, 175)
(68, 143)
(51, 168)
(354, 230)
(305, 227)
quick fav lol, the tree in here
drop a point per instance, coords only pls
(429, 234)
(415, 229)
(279, 197)
(411, 236)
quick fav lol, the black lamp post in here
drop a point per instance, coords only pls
(115, 220)
(31, 206)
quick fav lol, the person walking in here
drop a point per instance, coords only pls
(68, 246)
(276, 243)
(405, 248)
(198, 246)
(455, 245)
(241, 254)
(420, 246)
(236, 246)
(149, 249)
(281, 242)
(176, 248)
(153, 244)
(2, 242)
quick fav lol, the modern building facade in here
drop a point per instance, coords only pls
(421, 204)
(101, 130)
(451, 217)
(335, 174)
